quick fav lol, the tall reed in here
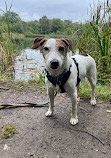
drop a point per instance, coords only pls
(96, 39)
(101, 29)
(7, 50)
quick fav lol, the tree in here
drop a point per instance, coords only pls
(68, 23)
(34, 26)
(13, 17)
(57, 25)
(17, 27)
(44, 25)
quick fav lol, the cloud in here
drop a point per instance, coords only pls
(25, 16)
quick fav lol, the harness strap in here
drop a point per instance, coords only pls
(63, 80)
(78, 79)
(59, 80)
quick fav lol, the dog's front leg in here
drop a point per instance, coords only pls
(51, 106)
(74, 118)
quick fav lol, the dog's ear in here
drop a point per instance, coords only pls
(38, 42)
(68, 43)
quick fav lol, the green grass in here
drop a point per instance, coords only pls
(102, 91)
(8, 130)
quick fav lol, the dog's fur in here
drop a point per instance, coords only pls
(56, 50)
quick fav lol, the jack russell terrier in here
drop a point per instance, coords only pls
(65, 72)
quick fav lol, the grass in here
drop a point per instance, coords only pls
(102, 91)
(8, 130)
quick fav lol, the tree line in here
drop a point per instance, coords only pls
(42, 26)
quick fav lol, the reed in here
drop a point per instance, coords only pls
(101, 29)
(95, 39)
(7, 49)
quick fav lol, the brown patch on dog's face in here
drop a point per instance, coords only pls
(68, 43)
(39, 42)
(63, 45)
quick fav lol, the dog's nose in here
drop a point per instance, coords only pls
(54, 64)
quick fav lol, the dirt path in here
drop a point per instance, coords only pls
(54, 137)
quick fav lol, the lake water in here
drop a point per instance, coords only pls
(28, 64)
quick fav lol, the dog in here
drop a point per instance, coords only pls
(65, 71)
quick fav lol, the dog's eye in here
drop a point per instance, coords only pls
(46, 48)
(61, 49)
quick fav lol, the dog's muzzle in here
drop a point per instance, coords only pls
(54, 64)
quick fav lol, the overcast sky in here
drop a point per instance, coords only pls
(75, 10)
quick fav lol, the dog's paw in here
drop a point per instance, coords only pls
(73, 121)
(49, 113)
(93, 102)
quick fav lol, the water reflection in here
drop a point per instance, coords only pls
(28, 64)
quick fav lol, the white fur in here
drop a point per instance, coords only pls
(87, 68)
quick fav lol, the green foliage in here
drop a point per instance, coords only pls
(101, 29)
(94, 38)
(102, 91)
(100, 32)
(57, 25)
(44, 25)
(8, 130)
(11, 16)
(7, 51)
(17, 27)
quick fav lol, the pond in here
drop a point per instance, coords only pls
(29, 62)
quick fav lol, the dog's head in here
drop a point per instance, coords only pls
(54, 51)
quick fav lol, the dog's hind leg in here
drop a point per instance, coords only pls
(51, 106)
(92, 81)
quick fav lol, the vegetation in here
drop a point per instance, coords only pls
(102, 91)
(101, 31)
(43, 26)
(8, 130)
(7, 49)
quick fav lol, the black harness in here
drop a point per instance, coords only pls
(62, 78)
(78, 79)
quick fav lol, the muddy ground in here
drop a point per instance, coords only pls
(53, 137)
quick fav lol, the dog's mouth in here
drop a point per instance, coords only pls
(54, 64)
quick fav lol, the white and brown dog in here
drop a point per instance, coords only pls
(65, 72)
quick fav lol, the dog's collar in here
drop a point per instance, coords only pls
(59, 80)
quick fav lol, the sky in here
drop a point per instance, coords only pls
(75, 10)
